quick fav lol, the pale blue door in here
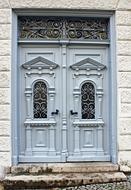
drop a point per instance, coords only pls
(40, 105)
(63, 108)
(88, 103)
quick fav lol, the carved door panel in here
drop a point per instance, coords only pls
(40, 137)
(88, 132)
(63, 103)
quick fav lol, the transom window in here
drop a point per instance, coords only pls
(40, 100)
(42, 27)
(88, 101)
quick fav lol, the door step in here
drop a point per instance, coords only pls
(60, 180)
(61, 175)
(38, 169)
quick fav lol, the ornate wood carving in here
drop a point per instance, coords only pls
(39, 63)
(40, 27)
(88, 64)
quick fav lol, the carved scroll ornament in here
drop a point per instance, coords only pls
(40, 27)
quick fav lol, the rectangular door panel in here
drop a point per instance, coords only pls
(88, 104)
(39, 70)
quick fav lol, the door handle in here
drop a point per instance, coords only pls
(73, 113)
(55, 113)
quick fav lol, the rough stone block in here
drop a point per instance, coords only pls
(123, 32)
(123, 18)
(124, 4)
(5, 16)
(2, 172)
(5, 31)
(4, 4)
(5, 47)
(5, 128)
(61, 180)
(124, 48)
(125, 126)
(125, 160)
(4, 79)
(88, 4)
(5, 96)
(5, 143)
(125, 110)
(50, 168)
(1, 187)
(125, 142)
(5, 158)
(126, 95)
(5, 63)
(124, 79)
(4, 112)
(124, 63)
(125, 168)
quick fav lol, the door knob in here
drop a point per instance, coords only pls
(55, 113)
(73, 113)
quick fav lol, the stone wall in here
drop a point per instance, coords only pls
(5, 67)
(123, 28)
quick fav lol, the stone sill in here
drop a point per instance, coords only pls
(60, 180)
(39, 169)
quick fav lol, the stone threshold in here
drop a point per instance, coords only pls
(60, 175)
(60, 180)
(38, 169)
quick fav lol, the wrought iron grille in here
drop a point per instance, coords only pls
(88, 101)
(40, 27)
(40, 100)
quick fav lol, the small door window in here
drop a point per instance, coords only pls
(40, 100)
(88, 101)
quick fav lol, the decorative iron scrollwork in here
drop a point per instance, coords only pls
(88, 101)
(40, 27)
(40, 100)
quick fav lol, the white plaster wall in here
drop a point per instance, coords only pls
(123, 28)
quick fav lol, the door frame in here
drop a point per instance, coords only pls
(113, 70)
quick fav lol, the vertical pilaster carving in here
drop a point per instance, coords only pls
(52, 139)
(28, 139)
(64, 101)
(51, 102)
(100, 138)
(77, 140)
(100, 100)
(76, 97)
(28, 95)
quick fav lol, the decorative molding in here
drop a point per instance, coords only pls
(98, 123)
(39, 63)
(88, 64)
(42, 27)
(40, 123)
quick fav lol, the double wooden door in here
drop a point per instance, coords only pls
(63, 103)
